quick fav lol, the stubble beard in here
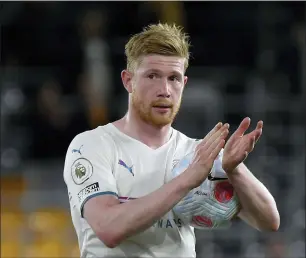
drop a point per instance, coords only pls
(146, 112)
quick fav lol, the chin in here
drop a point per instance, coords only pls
(161, 120)
(158, 119)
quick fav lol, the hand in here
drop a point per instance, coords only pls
(239, 145)
(205, 154)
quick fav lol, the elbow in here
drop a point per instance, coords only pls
(273, 224)
(110, 238)
(275, 221)
(273, 227)
(110, 243)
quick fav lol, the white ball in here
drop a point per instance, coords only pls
(211, 205)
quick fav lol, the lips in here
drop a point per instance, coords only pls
(162, 106)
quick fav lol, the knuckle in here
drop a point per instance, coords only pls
(197, 149)
(210, 158)
(202, 150)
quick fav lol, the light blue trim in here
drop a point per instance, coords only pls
(94, 195)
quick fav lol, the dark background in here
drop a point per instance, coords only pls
(60, 75)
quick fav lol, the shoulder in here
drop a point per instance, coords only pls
(94, 145)
(97, 137)
(89, 149)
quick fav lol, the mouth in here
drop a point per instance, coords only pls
(162, 108)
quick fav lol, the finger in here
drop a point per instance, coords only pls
(217, 130)
(256, 133)
(245, 155)
(214, 130)
(259, 125)
(251, 144)
(223, 132)
(209, 149)
(244, 125)
(259, 128)
(214, 153)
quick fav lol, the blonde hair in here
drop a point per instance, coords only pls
(160, 39)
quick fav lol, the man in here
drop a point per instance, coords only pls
(116, 175)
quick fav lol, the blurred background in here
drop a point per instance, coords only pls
(60, 75)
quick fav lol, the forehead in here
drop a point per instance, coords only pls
(159, 62)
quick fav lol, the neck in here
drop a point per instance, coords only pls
(151, 135)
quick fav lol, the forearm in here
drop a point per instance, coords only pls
(138, 215)
(255, 198)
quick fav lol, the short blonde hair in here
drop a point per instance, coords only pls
(160, 39)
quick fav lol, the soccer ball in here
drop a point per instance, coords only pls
(213, 204)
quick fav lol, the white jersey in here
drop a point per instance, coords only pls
(106, 161)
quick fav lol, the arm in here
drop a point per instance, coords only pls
(113, 222)
(90, 181)
(258, 205)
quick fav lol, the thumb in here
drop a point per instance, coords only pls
(244, 125)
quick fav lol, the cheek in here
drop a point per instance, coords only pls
(141, 86)
(177, 92)
(148, 97)
(142, 95)
(141, 92)
(146, 91)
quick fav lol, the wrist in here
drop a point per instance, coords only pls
(186, 182)
(228, 170)
(234, 172)
(231, 169)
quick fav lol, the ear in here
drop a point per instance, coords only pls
(185, 80)
(126, 78)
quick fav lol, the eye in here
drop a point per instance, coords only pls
(174, 78)
(152, 76)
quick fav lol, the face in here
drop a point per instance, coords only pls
(156, 88)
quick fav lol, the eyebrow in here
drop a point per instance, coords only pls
(154, 70)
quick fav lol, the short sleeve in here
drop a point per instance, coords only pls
(88, 169)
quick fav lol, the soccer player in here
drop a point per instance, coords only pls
(117, 175)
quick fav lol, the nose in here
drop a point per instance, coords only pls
(164, 90)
